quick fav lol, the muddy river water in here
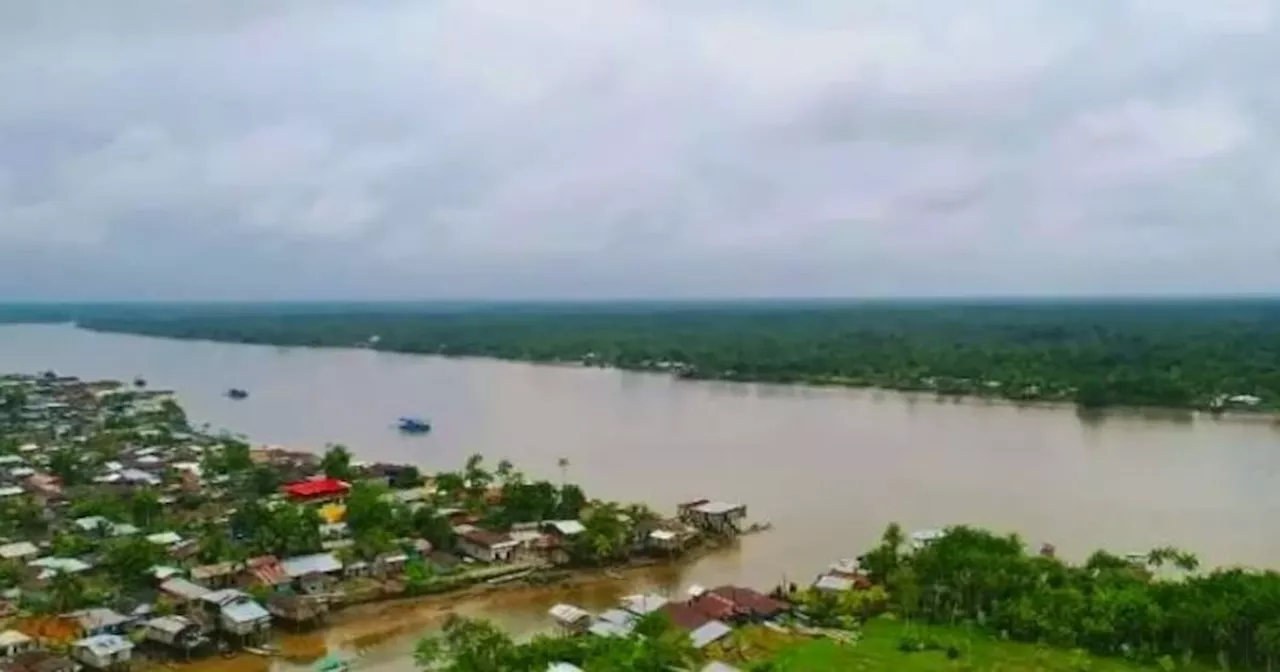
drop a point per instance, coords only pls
(828, 467)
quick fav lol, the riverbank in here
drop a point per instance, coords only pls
(382, 633)
(930, 388)
(960, 597)
(827, 466)
(1205, 355)
(113, 498)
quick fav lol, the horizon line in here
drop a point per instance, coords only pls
(991, 298)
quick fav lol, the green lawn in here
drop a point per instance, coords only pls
(878, 650)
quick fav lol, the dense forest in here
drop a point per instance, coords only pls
(1109, 605)
(1179, 354)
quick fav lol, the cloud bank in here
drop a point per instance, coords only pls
(637, 148)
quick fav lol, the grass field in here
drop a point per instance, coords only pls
(878, 650)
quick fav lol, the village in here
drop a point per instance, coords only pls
(127, 534)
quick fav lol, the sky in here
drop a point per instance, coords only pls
(325, 149)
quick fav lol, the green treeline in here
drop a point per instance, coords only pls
(1155, 609)
(1109, 605)
(1205, 355)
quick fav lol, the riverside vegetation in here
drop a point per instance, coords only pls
(969, 600)
(1209, 355)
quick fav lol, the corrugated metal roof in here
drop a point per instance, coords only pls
(835, 583)
(607, 629)
(105, 645)
(184, 588)
(270, 573)
(618, 617)
(55, 564)
(569, 527)
(211, 571)
(224, 597)
(319, 563)
(708, 633)
(165, 538)
(245, 611)
(568, 613)
(18, 549)
(98, 617)
(716, 508)
(13, 638)
(162, 572)
(643, 604)
(169, 624)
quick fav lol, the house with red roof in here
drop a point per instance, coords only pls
(317, 490)
(751, 604)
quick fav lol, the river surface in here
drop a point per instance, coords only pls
(828, 467)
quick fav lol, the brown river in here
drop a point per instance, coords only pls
(828, 467)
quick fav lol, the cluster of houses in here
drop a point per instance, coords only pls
(708, 616)
(188, 607)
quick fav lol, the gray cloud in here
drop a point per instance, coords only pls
(237, 149)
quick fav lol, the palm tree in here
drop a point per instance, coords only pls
(1186, 561)
(66, 590)
(563, 463)
(336, 462)
(893, 538)
(506, 472)
(641, 513)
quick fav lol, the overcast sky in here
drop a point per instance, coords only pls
(173, 149)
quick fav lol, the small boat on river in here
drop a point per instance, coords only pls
(414, 426)
(237, 393)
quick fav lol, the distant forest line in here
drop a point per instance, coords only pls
(1195, 354)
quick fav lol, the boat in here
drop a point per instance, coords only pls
(237, 393)
(414, 426)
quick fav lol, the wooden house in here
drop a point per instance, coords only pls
(720, 518)
(103, 652)
(175, 632)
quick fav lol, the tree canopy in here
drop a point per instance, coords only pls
(1129, 607)
(1185, 354)
(468, 645)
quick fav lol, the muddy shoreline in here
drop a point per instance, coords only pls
(384, 631)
